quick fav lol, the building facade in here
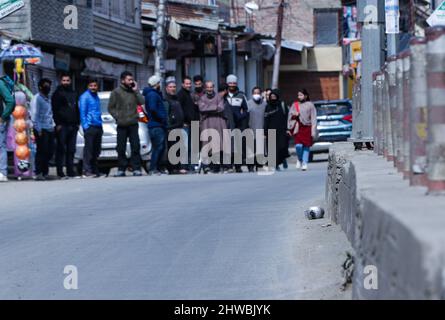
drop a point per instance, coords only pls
(105, 39)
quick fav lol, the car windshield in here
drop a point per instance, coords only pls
(104, 105)
(333, 109)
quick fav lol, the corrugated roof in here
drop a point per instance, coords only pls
(186, 14)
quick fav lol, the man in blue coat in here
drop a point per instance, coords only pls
(157, 126)
(91, 120)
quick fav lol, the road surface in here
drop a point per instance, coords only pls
(235, 236)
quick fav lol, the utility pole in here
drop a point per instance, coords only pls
(160, 40)
(233, 21)
(279, 38)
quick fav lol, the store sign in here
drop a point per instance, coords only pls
(356, 51)
(9, 6)
(392, 15)
(62, 60)
(438, 16)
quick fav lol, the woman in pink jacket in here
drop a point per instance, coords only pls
(302, 126)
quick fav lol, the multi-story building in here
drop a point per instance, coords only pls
(311, 54)
(106, 39)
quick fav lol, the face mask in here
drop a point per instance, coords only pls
(46, 90)
(256, 97)
(199, 89)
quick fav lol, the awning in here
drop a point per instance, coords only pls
(288, 44)
(185, 15)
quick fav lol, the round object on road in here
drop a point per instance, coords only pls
(314, 213)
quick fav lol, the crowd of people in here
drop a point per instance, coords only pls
(56, 119)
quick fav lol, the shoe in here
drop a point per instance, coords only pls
(298, 165)
(183, 171)
(304, 167)
(88, 175)
(63, 177)
(39, 177)
(285, 165)
(3, 178)
(137, 173)
(120, 174)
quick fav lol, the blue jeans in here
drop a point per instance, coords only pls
(303, 153)
(3, 151)
(157, 136)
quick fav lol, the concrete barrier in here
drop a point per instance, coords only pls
(394, 227)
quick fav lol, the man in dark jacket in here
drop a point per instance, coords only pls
(157, 125)
(66, 117)
(123, 107)
(176, 118)
(191, 113)
(238, 103)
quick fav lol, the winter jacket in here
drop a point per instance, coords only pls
(90, 110)
(65, 108)
(7, 103)
(175, 113)
(189, 107)
(240, 110)
(42, 113)
(155, 108)
(123, 106)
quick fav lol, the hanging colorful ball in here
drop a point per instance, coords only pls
(21, 139)
(19, 112)
(20, 125)
(22, 152)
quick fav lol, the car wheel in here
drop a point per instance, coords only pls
(311, 157)
(146, 166)
(105, 170)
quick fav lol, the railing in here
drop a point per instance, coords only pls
(409, 111)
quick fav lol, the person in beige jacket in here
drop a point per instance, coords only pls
(302, 126)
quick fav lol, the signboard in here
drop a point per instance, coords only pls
(356, 51)
(392, 16)
(9, 6)
(62, 60)
(438, 16)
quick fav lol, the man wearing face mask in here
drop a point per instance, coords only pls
(43, 124)
(257, 106)
(238, 103)
(66, 117)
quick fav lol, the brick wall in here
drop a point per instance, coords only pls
(298, 19)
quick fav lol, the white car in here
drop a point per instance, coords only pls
(108, 157)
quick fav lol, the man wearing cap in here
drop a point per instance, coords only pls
(238, 103)
(157, 126)
(175, 121)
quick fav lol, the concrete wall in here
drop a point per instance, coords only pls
(397, 228)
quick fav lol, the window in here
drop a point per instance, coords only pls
(212, 3)
(326, 27)
(123, 10)
(101, 6)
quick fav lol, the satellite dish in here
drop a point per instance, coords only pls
(251, 6)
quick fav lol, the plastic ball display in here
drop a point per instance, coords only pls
(21, 139)
(20, 125)
(22, 152)
(19, 112)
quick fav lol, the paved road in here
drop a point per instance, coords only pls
(172, 237)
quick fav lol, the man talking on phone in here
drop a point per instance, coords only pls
(123, 107)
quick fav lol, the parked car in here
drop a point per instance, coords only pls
(334, 124)
(108, 157)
